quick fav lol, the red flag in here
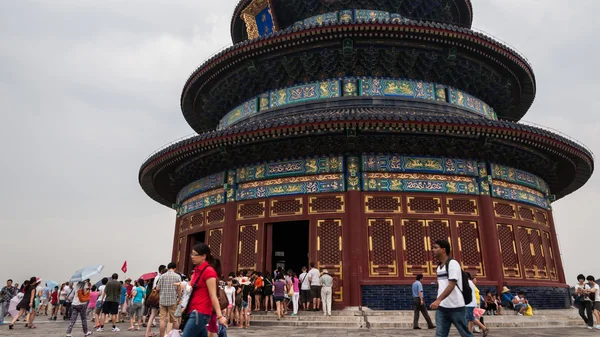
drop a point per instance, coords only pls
(124, 268)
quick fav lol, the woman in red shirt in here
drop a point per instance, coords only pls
(203, 300)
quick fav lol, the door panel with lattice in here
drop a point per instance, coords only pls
(329, 253)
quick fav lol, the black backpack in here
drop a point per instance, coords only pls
(464, 288)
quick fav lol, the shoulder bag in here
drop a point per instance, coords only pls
(185, 316)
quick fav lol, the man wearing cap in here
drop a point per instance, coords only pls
(326, 291)
(507, 298)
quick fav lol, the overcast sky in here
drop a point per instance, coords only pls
(89, 89)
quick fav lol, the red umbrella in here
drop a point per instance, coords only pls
(148, 276)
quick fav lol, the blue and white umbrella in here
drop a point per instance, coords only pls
(86, 273)
(51, 284)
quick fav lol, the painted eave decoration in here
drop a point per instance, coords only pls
(259, 19)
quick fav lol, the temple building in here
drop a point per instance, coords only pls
(354, 133)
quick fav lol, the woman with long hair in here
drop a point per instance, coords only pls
(204, 293)
(268, 291)
(26, 304)
(296, 286)
(230, 292)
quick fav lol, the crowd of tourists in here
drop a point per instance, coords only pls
(205, 304)
(200, 305)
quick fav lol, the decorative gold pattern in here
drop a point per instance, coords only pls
(215, 216)
(247, 247)
(326, 204)
(329, 253)
(287, 207)
(508, 251)
(383, 204)
(461, 206)
(504, 210)
(470, 248)
(420, 205)
(251, 210)
(382, 248)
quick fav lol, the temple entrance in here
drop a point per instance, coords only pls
(288, 245)
(194, 239)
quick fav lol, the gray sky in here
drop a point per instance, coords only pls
(89, 89)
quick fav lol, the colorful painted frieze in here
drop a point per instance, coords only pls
(322, 19)
(263, 102)
(324, 183)
(207, 199)
(514, 192)
(350, 87)
(308, 166)
(513, 175)
(483, 177)
(248, 108)
(440, 93)
(401, 88)
(397, 18)
(353, 173)
(366, 15)
(469, 102)
(392, 163)
(230, 186)
(405, 182)
(306, 92)
(207, 183)
(346, 16)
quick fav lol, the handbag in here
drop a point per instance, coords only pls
(223, 301)
(185, 316)
(154, 298)
(291, 291)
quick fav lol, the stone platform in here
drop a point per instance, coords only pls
(375, 320)
(353, 323)
(57, 329)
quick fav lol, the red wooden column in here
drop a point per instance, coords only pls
(355, 231)
(229, 244)
(490, 241)
(175, 240)
(557, 255)
(355, 243)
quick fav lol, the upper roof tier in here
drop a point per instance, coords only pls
(281, 14)
(402, 49)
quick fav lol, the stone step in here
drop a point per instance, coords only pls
(307, 318)
(374, 319)
(320, 324)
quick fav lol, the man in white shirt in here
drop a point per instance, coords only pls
(595, 290)
(583, 290)
(450, 303)
(315, 286)
(304, 289)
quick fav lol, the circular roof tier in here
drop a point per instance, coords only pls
(431, 52)
(564, 164)
(287, 12)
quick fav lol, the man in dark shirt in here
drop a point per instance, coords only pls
(111, 302)
(6, 294)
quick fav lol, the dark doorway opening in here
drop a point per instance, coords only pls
(193, 240)
(290, 245)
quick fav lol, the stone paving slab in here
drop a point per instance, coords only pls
(57, 329)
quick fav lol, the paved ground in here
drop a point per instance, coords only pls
(51, 329)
